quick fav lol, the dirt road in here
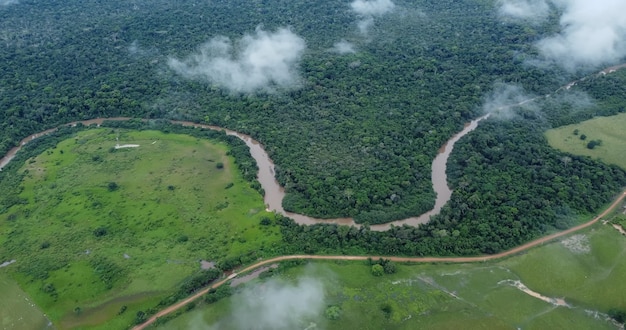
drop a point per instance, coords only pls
(513, 251)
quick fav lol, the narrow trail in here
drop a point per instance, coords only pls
(484, 258)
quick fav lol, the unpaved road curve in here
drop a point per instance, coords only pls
(396, 259)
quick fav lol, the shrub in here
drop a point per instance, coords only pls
(100, 231)
(332, 312)
(113, 186)
(378, 270)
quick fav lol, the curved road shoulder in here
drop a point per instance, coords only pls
(507, 253)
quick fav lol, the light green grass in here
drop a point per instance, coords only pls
(463, 296)
(170, 210)
(610, 130)
(17, 311)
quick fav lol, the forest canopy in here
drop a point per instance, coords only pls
(352, 100)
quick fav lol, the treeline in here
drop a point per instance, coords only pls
(356, 139)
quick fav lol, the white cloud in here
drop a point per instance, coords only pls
(279, 305)
(531, 10)
(365, 24)
(372, 7)
(368, 9)
(504, 98)
(262, 61)
(592, 32)
(344, 47)
(7, 2)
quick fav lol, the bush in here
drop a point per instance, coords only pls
(219, 165)
(332, 312)
(593, 144)
(618, 315)
(100, 231)
(389, 268)
(217, 294)
(113, 186)
(378, 270)
(140, 317)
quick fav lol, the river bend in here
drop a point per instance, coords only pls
(274, 192)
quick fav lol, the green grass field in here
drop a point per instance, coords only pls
(105, 228)
(585, 269)
(17, 311)
(610, 130)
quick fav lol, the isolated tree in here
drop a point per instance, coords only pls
(113, 186)
(332, 312)
(389, 267)
(378, 270)
(100, 231)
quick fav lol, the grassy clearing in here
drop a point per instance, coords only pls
(609, 130)
(586, 271)
(17, 311)
(105, 228)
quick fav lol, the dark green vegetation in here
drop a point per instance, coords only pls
(100, 237)
(586, 270)
(364, 127)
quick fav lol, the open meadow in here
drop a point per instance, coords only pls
(113, 220)
(567, 284)
(602, 138)
(16, 309)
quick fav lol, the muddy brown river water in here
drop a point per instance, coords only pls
(274, 192)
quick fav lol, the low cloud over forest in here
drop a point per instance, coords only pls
(368, 9)
(7, 2)
(262, 61)
(591, 33)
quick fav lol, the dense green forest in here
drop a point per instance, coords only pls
(357, 129)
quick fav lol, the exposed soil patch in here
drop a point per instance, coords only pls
(243, 279)
(6, 263)
(522, 287)
(616, 226)
(206, 264)
(577, 244)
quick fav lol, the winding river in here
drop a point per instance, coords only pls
(274, 192)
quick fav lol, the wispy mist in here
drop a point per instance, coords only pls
(7, 2)
(368, 9)
(372, 7)
(258, 62)
(531, 10)
(592, 33)
(504, 98)
(277, 305)
(343, 47)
